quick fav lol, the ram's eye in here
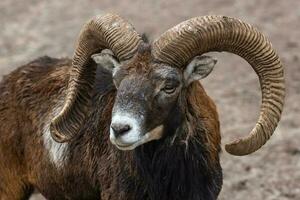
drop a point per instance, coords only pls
(169, 89)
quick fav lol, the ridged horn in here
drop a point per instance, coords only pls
(101, 32)
(200, 35)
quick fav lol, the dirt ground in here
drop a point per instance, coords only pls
(34, 28)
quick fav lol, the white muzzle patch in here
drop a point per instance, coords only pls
(134, 137)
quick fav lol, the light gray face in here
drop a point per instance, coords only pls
(146, 94)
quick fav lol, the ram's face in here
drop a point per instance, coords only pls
(143, 102)
(147, 93)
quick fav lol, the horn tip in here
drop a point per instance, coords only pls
(56, 135)
(237, 148)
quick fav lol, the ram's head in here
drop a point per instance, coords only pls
(150, 77)
(147, 94)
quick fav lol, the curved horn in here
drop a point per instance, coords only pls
(218, 33)
(101, 32)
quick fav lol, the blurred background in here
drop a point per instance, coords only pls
(34, 28)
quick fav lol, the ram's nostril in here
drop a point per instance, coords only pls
(120, 129)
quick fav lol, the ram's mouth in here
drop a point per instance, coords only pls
(127, 147)
(154, 134)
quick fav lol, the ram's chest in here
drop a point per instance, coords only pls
(68, 186)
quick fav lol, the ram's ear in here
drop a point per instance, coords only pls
(107, 60)
(198, 68)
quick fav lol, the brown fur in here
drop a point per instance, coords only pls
(24, 101)
(206, 110)
(94, 166)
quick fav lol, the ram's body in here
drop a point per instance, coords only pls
(89, 166)
(66, 128)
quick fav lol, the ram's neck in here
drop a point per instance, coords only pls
(185, 164)
(179, 169)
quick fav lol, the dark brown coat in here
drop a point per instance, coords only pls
(91, 167)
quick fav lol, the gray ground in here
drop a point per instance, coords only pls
(40, 27)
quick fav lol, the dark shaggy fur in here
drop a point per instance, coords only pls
(184, 165)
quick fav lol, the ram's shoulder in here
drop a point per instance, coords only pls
(45, 67)
(38, 81)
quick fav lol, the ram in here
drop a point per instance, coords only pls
(126, 119)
